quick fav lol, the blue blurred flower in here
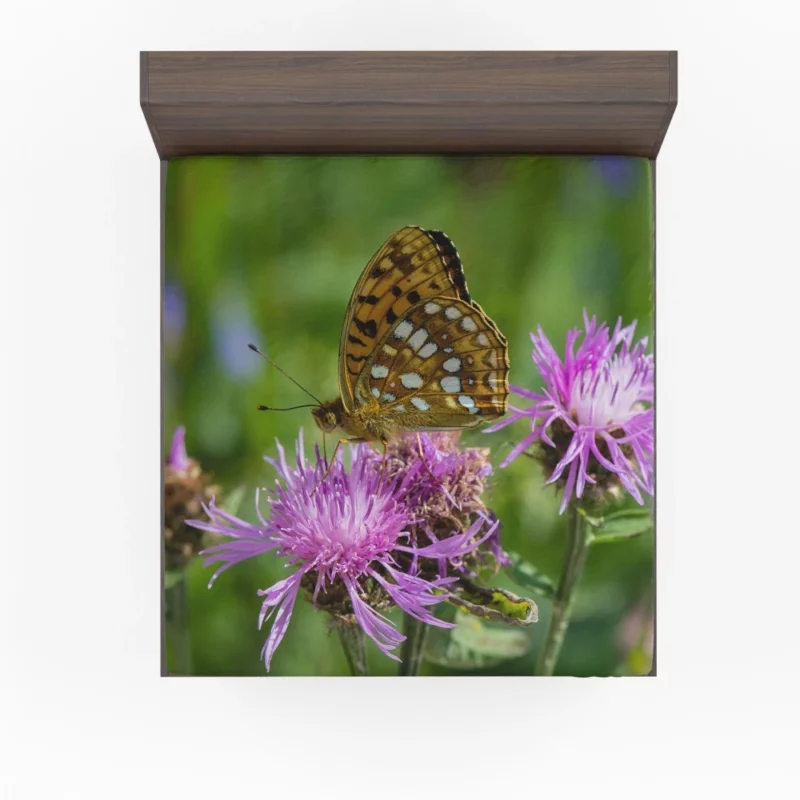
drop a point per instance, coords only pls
(618, 173)
(232, 329)
(174, 314)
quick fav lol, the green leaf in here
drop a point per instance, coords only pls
(621, 526)
(498, 605)
(234, 499)
(474, 644)
(594, 522)
(523, 573)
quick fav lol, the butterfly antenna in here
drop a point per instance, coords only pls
(290, 408)
(286, 374)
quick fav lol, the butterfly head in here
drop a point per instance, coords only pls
(328, 416)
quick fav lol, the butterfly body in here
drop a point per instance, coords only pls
(365, 423)
(416, 352)
(369, 423)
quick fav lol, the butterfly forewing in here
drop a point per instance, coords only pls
(412, 266)
(443, 364)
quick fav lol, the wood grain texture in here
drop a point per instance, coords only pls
(409, 102)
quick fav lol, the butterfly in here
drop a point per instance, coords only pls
(416, 353)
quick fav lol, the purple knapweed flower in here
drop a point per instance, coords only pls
(342, 535)
(443, 488)
(178, 459)
(595, 412)
(441, 480)
(186, 488)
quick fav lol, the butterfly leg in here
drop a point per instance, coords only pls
(333, 460)
(383, 466)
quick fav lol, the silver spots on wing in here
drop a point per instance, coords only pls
(428, 350)
(418, 339)
(452, 383)
(452, 364)
(376, 392)
(432, 308)
(468, 325)
(420, 403)
(388, 397)
(482, 339)
(411, 380)
(403, 329)
(452, 312)
(468, 403)
(379, 371)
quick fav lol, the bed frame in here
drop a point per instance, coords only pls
(407, 102)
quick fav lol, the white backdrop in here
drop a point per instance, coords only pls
(83, 708)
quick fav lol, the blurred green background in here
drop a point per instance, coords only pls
(268, 249)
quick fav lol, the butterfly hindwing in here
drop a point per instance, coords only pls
(410, 267)
(444, 364)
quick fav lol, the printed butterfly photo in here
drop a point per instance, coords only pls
(392, 529)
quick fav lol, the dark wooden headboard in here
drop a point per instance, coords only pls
(408, 102)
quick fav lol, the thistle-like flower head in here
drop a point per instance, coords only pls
(186, 488)
(595, 413)
(444, 486)
(343, 535)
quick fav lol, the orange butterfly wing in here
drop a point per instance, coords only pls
(410, 267)
(443, 365)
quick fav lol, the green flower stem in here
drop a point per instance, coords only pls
(564, 600)
(179, 646)
(413, 648)
(355, 650)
